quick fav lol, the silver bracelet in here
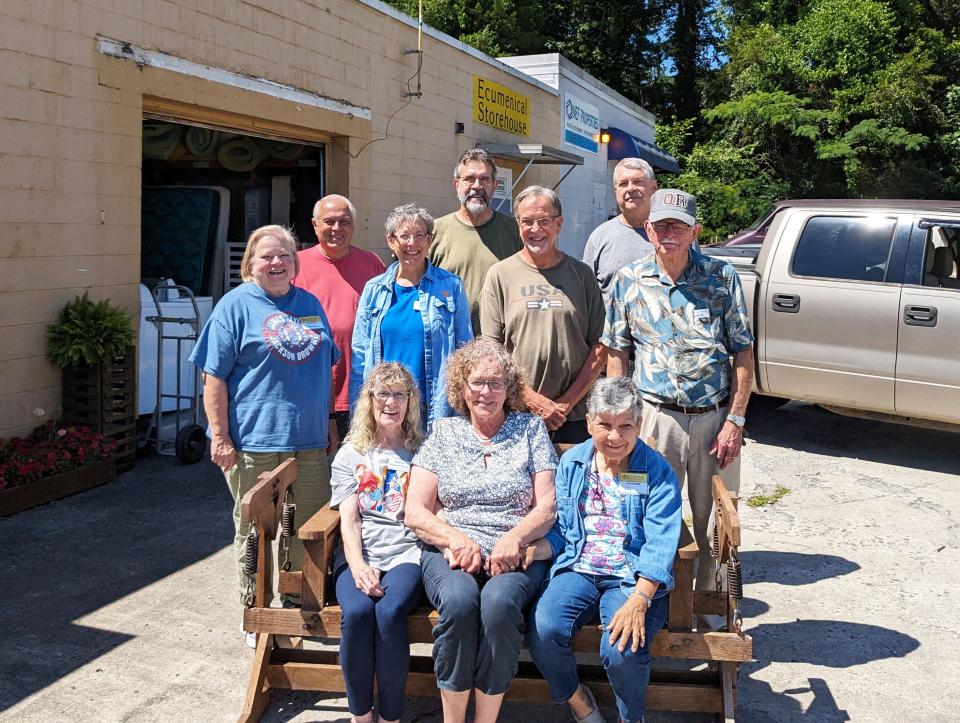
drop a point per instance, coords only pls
(644, 595)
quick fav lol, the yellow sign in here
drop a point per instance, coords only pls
(500, 107)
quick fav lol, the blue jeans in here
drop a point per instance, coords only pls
(374, 638)
(571, 600)
(477, 640)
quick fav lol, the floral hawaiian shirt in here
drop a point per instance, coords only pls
(683, 333)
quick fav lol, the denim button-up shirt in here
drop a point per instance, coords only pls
(446, 326)
(683, 333)
(650, 510)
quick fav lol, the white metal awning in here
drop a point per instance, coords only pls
(531, 153)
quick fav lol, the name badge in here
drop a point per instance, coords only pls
(311, 322)
(634, 483)
(416, 305)
(701, 315)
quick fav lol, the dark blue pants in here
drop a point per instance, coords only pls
(374, 638)
(573, 599)
(477, 639)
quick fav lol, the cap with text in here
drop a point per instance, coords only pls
(675, 204)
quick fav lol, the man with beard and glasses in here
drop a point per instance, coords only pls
(622, 240)
(473, 238)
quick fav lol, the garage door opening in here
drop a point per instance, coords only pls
(204, 190)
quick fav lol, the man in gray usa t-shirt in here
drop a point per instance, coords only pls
(622, 240)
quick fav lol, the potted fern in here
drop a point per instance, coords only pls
(92, 342)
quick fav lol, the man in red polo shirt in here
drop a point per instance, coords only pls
(335, 272)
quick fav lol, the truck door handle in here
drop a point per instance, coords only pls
(789, 303)
(920, 315)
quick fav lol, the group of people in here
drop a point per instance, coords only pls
(445, 471)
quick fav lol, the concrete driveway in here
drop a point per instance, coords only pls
(116, 603)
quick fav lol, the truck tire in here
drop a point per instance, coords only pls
(762, 404)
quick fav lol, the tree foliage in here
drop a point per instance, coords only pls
(760, 99)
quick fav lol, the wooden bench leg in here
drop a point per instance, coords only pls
(728, 674)
(258, 689)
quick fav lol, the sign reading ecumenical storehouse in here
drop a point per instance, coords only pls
(500, 107)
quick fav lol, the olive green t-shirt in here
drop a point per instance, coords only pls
(468, 251)
(547, 318)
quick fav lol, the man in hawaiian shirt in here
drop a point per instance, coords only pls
(684, 316)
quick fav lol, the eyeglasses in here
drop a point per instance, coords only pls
(546, 222)
(396, 396)
(674, 227)
(408, 237)
(494, 385)
(470, 180)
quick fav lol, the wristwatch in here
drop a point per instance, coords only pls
(737, 419)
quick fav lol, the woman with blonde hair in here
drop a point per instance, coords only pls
(377, 568)
(267, 354)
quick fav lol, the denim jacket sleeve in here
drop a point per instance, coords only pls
(462, 326)
(557, 535)
(661, 526)
(360, 344)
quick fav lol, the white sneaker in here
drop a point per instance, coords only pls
(249, 638)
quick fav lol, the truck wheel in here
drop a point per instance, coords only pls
(761, 403)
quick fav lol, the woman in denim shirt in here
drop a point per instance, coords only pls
(414, 313)
(618, 524)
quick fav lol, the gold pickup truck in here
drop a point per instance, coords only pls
(856, 306)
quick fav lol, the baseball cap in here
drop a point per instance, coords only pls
(673, 203)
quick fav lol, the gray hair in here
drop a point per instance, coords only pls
(615, 395)
(637, 164)
(476, 154)
(335, 197)
(547, 193)
(408, 213)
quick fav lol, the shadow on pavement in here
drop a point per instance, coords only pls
(809, 428)
(72, 557)
(792, 568)
(831, 643)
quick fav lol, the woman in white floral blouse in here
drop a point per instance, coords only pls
(491, 470)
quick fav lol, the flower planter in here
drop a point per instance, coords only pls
(39, 492)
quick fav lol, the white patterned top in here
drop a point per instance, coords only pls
(486, 500)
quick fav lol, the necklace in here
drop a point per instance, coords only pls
(596, 494)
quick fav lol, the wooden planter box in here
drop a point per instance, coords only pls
(48, 489)
(103, 397)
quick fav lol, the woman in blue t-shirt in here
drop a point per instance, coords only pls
(266, 355)
(414, 313)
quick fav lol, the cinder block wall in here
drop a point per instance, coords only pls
(70, 144)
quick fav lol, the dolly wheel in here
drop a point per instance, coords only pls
(191, 444)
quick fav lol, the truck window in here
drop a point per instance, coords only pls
(844, 247)
(940, 258)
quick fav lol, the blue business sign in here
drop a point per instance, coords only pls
(581, 124)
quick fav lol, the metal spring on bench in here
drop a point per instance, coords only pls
(250, 553)
(735, 578)
(715, 547)
(287, 518)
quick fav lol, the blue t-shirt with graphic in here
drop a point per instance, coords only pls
(402, 333)
(276, 354)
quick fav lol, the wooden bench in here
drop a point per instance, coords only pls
(280, 663)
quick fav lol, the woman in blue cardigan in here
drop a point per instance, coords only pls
(414, 313)
(614, 541)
